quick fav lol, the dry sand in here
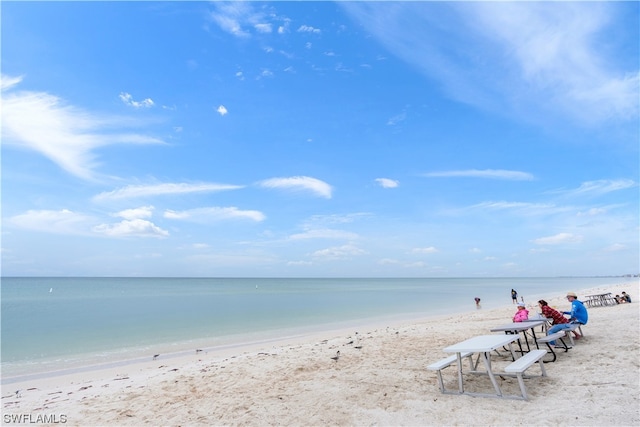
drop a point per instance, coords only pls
(383, 383)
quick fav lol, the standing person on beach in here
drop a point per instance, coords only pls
(514, 296)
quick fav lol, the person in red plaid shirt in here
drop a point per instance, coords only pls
(551, 313)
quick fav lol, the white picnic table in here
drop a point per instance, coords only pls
(600, 300)
(517, 327)
(482, 345)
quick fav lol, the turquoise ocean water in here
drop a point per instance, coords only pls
(50, 324)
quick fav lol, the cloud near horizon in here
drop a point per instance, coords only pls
(63, 221)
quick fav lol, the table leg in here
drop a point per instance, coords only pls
(519, 343)
(535, 339)
(487, 364)
(513, 354)
(460, 385)
(526, 340)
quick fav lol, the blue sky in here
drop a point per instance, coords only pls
(320, 139)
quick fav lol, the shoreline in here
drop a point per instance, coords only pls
(242, 343)
(15, 372)
(384, 383)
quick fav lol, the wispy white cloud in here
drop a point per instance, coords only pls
(557, 50)
(324, 234)
(516, 205)
(427, 250)
(299, 183)
(136, 213)
(205, 215)
(485, 173)
(615, 247)
(263, 28)
(127, 99)
(7, 82)
(72, 223)
(58, 222)
(65, 134)
(530, 59)
(222, 110)
(135, 191)
(387, 183)
(339, 252)
(593, 212)
(398, 118)
(308, 29)
(387, 261)
(599, 187)
(242, 20)
(299, 263)
(538, 250)
(232, 16)
(131, 228)
(316, 221)
(558, 239)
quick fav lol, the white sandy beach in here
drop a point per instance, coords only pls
(386, 382)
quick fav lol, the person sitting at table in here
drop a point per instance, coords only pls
(578, 314)
(522, 314)
(620, 299)
(626, 296)
(556, 317)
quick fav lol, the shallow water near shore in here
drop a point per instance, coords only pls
(52, 324)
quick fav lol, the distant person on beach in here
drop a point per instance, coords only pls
(514, 296)
(477, 301)
(626, 296)
(522, 314)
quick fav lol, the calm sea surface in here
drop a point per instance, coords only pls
(50, 324)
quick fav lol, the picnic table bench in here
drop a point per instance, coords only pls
(522, 364)
(553, 337)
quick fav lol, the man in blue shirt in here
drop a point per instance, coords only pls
(578, 314)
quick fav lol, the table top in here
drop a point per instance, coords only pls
(481, 343)
(598, 295)
(538, 317)
(518, 326)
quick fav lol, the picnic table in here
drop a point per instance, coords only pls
(600, 300)
(515, 328)
(481, 345)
